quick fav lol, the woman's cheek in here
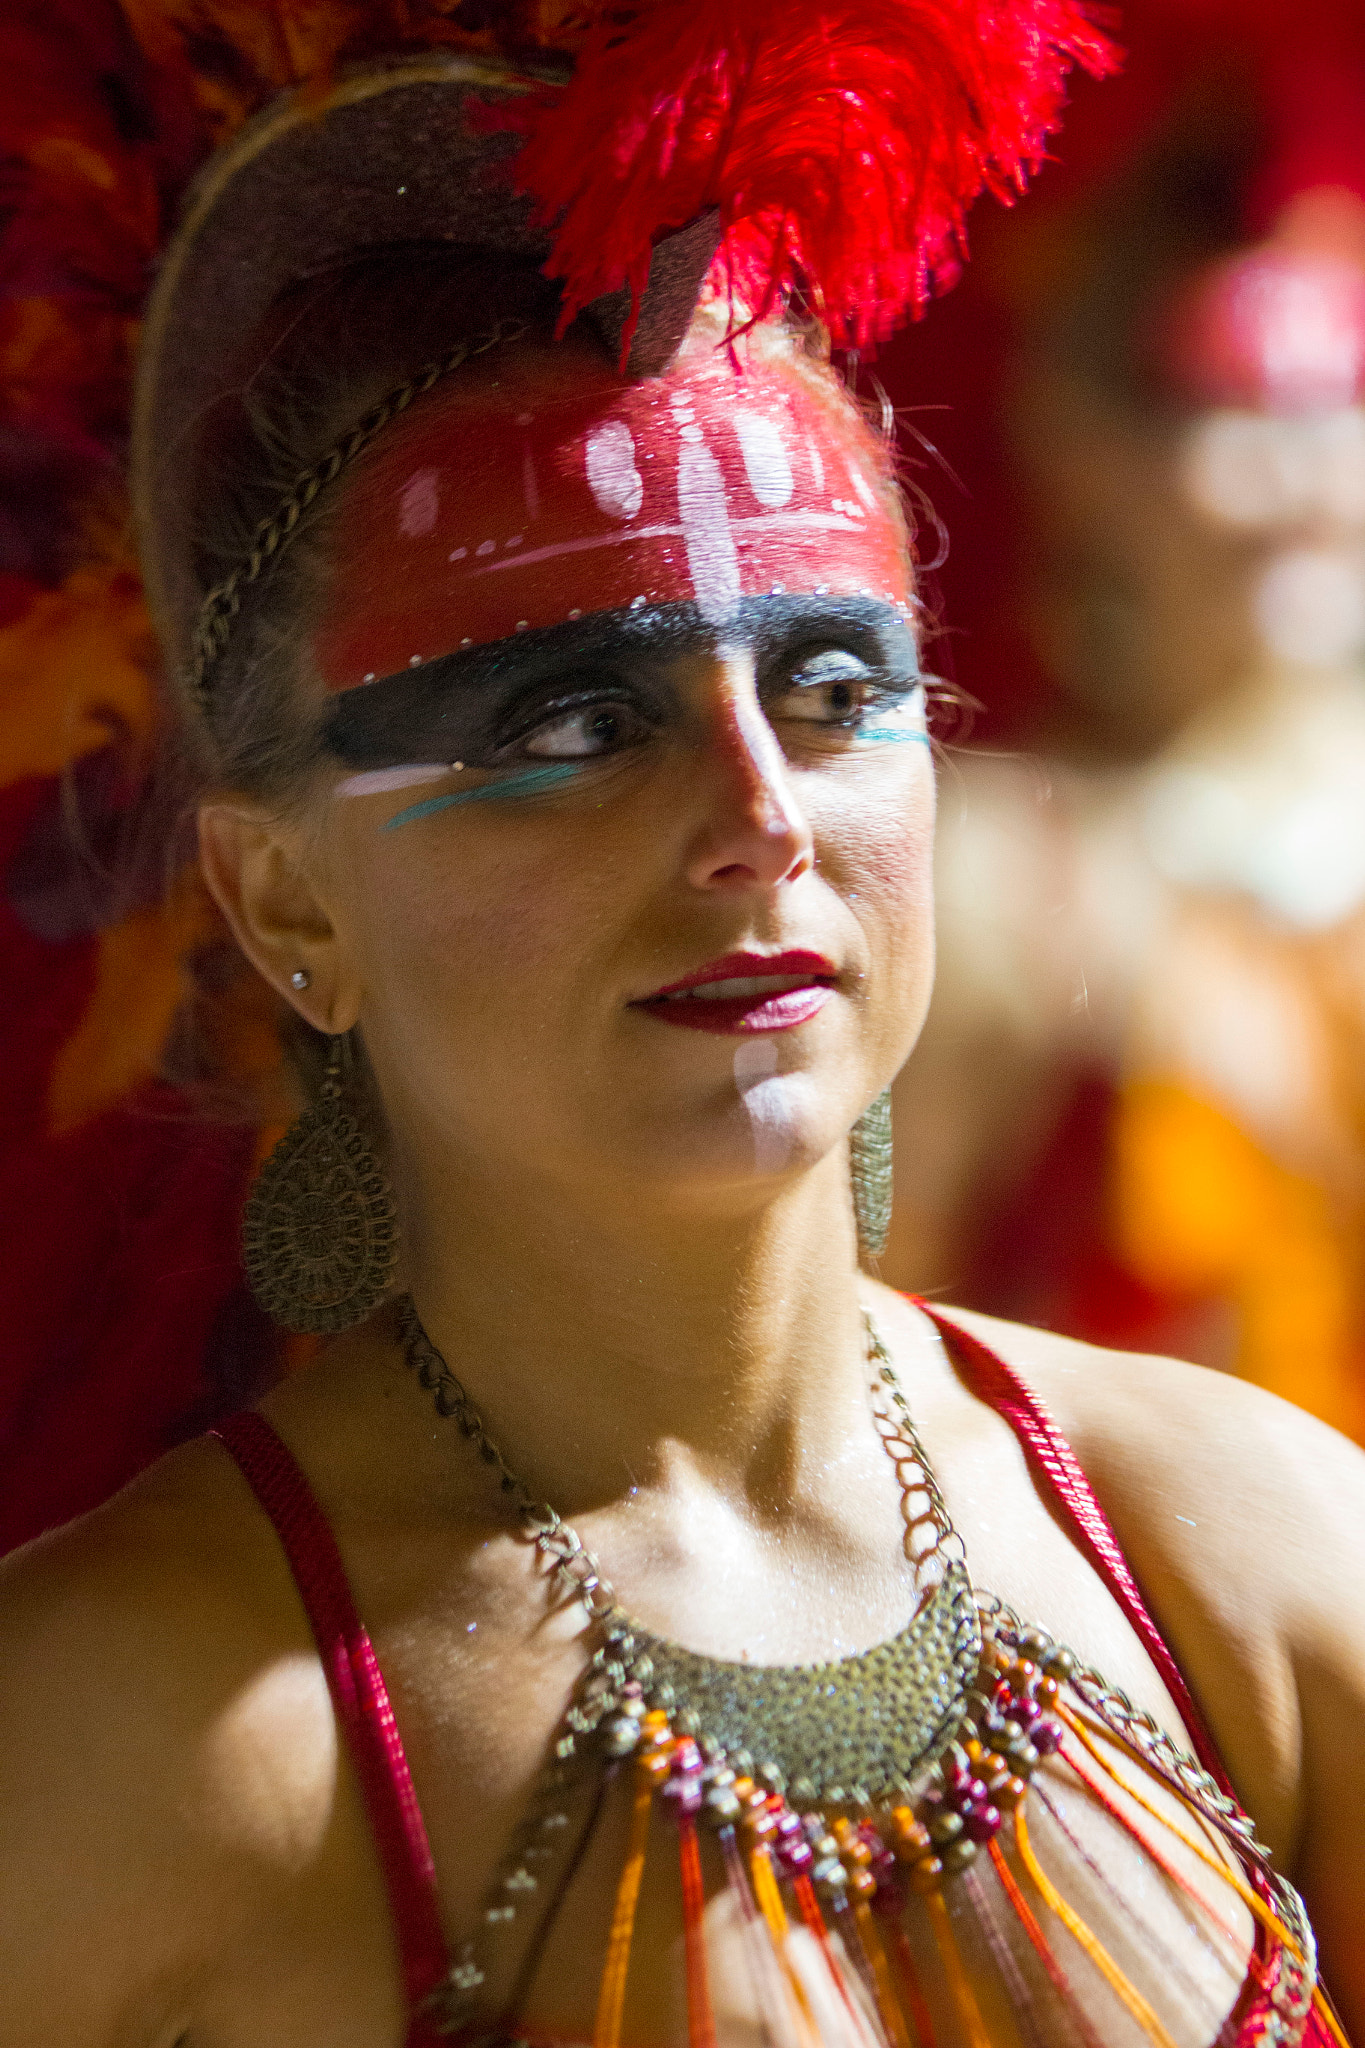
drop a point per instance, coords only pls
(878, 849)
(488, 930)
(469, 927)
(888, 872)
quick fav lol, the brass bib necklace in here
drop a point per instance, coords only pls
(854, 1800)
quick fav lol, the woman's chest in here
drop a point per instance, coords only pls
(567, 1880)
(594, 1907)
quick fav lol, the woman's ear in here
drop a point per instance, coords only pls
(253, 865)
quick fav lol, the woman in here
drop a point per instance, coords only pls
(567, 771)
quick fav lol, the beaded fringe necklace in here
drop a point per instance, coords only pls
(879, 1819)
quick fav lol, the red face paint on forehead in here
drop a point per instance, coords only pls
(541, 497)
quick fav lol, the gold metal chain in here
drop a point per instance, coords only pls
(931, 1541)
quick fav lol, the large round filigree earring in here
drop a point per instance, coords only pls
(869, 1156)
(319, 1234)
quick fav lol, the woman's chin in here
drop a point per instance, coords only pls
(773, 1127)
(783, 1121)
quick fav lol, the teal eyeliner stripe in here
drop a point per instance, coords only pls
(536, 779)
(520, 785)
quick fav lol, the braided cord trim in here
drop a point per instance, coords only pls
(213, 628)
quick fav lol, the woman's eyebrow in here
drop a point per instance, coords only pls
(769, 625)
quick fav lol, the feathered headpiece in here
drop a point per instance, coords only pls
(831, 147)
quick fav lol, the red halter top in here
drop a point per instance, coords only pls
(361, 1697)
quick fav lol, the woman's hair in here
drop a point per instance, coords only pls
(331, 349)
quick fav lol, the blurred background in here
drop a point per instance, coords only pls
(1138, 1112)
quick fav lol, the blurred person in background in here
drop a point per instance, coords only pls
(1146, 1051)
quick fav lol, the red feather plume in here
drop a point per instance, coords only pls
(841, 140)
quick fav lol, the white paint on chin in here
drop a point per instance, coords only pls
(767, 1097)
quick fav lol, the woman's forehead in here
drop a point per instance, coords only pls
(551, 488)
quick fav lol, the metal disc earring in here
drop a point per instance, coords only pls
(319, 1232)
(869, 1154)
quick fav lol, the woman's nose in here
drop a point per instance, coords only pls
(754, 834)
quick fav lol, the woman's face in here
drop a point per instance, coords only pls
(663, 930)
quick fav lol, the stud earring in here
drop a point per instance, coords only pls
(869, 1155)
(300, 978)
(319, 1235)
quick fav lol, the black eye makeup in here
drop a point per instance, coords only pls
(831, 692)
(586, 726)
(600, 686)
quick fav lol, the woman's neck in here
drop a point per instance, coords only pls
(606, 1347)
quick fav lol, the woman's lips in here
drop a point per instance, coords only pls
(746, 992)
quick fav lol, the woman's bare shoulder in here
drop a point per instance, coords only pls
(156, 1695)
(181, 1545)
(1166, 1439)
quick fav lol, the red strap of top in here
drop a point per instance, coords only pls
(359, 1695)
(1061, 1479)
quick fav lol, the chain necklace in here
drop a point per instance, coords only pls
(851, 1775)
(819, 1732)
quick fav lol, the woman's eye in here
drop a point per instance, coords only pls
(587, 730)
(832, 689)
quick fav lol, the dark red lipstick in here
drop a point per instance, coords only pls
(777, 992)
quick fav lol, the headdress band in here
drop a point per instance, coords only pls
(274, 533)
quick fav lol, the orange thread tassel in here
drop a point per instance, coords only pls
(815, 1922)
(911, 1990)
(770, 1979)
(968, 2011)
(1023, 1912)
(1095, 1949)
(770, 1904)
(888, 2005)
(1168, 1870)
(1268, 1919)
(611, 1996)
(701, 2027)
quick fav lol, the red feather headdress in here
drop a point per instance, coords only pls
(841, 143)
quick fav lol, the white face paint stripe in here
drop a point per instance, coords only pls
(616, 484)
(419, 503)
(758, 524)
(380, 781)
(862, 486)
(765, 459)
(770, 764)
(712, 560)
